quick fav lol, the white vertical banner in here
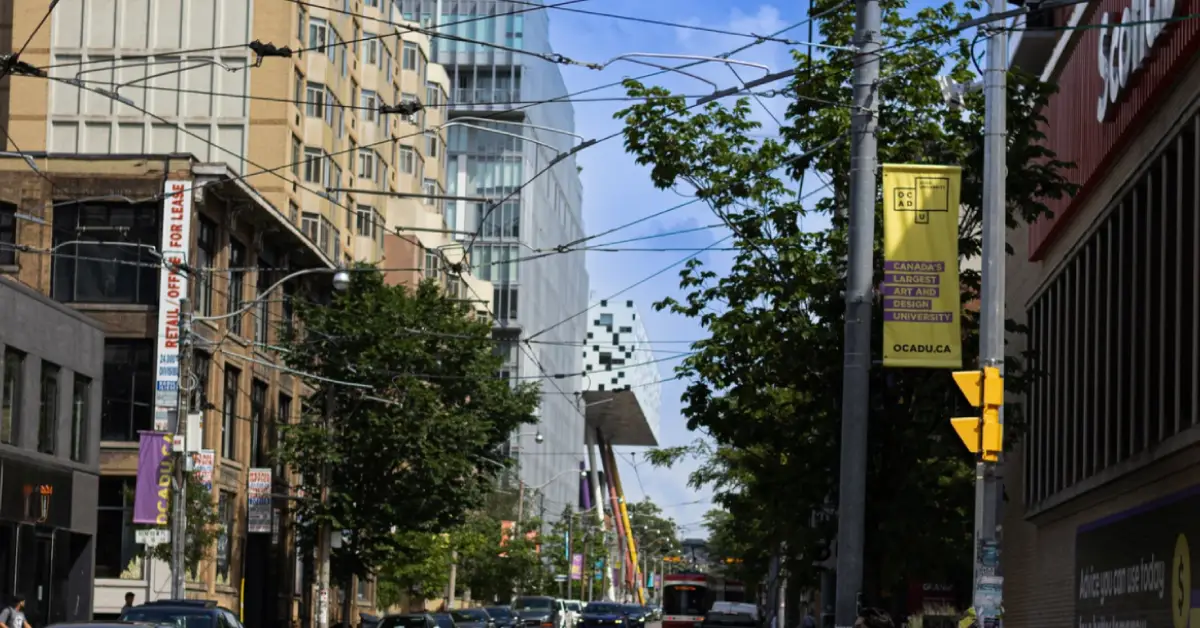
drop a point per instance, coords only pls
(172, 288)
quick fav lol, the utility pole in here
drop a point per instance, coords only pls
(325, 536)
(570, 553)
(859, 296)
(179, 503)
(452, 586)
(991, 333)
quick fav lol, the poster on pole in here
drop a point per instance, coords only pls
(202, 467)
(152, 493)
(922, 307)
(577, 567)
(258, 492)
(173, 287)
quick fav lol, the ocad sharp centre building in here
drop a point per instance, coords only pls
(1102, 519)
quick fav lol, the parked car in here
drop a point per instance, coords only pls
(574, 611)
(731, 615)
(444, 620)
(182, 614)
(502, 615)
(602, 615)
(116, 623)
(541, 611)
(472, 618)
(408, 620)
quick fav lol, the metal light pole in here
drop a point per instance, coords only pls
(857, 363)
(991, 333)
(325, 536)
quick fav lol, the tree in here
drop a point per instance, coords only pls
(420, 447)
(203, 525)
(493, 564)
(765, 386)
(655, 533)
(419, 569)
(586, 539)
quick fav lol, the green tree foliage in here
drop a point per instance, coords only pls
(421, 447)
(655, 533)
(203, 526)
(418, 570)
(729, 546)
(493, 566)
(585, 537)
(766, 385)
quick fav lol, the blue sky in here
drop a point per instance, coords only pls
(616, 190)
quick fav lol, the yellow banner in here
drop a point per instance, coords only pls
(921, 304)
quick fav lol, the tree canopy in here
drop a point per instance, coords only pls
(415, 443)
(656, 534)
(765, 386)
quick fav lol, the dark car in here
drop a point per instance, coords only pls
(502, 615)
(731, 615)
(472, 618)
(444, 620)
(603, 615)
(183, 614)
(408, 620)
(537, 610)
(635, 616)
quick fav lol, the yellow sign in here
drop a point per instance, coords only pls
(921, 306)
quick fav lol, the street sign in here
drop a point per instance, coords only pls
(152, 536)
(560, 578)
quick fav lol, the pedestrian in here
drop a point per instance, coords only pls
(873, 618)
(13, 615)
(128, 602)
(808, 621)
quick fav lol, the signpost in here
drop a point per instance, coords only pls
(152, 537)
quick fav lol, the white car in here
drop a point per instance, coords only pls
(574, 612)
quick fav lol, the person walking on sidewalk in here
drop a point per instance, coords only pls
(13, 615)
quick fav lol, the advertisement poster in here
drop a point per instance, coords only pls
(202, 467)
(1135, 568)
(152, 493)
(577, 567)
(258, 492)
(176, 231)
(922, 305)
(506, 532)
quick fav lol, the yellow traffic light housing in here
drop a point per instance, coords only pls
(983, 435)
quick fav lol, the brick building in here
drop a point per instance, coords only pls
(89, 226)
(1102, 493)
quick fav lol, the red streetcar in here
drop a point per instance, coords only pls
(687, 597)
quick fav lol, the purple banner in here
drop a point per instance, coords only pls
(577, 567)
(918, 317)
(911, 291)
(907, 304)
(151, 497)
(915, 267)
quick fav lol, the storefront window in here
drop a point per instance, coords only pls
(225, 539)
(128, 389)
(116, 550)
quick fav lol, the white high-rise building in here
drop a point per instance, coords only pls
(617, 356)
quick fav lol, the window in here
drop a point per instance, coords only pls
(229, 413)
(429, 188)
(308, 224)
(314, 98)
(297, 156)
(117, 555)
(331, 106)
(293, 212)
(503, 221)
(80, 403)
(10, 402)
(288, 307)
(409, 56)
(324, 234)
(237, 284)
(314, 165)
(300, 24)
(206, 256)
(408, 160)
(258, 420)
(362, 588)
(318, 34)
(410, 98)
(431, 145)
(432, 91)
(201, 366)
(366, 163)
(504, 302)
(606, 320)
(370, 51)
(370, 104)
(365, 223)
(128, 389)
(92, 277)
(262, 327)
(8, 234)
(48, 409)
(225, 513)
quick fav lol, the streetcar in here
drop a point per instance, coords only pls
(687, 597)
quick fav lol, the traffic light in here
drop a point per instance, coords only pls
(732, 561)
(983, 389)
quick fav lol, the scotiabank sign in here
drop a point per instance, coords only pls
(1125, 49)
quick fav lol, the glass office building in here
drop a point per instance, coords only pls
(529, 296)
